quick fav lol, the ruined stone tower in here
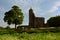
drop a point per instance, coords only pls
(31, 17)
(35, 22)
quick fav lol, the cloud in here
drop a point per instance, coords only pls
(55, 7)
(2, 9)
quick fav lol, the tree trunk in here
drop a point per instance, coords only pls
(15, 26)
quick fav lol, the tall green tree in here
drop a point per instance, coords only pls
(14, 16)
(54, 21)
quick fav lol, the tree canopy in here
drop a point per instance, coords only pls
(54, 21)
(14, 16)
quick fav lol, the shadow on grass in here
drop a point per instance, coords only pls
(29, 31)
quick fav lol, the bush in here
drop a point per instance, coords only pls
(7, 27)
(54, 21)
(1, 27)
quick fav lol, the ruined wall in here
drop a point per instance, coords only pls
(39, 22)
(35, 21)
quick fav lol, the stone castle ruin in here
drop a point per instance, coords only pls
(34, 22)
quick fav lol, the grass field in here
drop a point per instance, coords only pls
(30, 35)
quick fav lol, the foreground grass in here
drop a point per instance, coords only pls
(8, 37)
(16, 35)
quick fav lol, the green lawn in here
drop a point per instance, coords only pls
(30, 35)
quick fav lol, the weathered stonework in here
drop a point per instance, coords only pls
(39, 22)
(31, 18)
(34, 22)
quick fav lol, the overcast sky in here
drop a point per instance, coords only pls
(42, 8)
